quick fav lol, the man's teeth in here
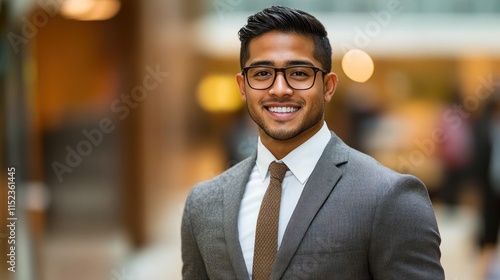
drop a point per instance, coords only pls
(282, 109)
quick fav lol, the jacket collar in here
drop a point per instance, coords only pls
(322, 181)
(320, 184)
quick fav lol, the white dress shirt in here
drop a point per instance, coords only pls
(301, 162)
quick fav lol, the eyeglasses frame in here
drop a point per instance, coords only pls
(244, 72)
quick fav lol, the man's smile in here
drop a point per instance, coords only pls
(282, 109)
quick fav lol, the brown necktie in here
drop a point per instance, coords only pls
(266, 234)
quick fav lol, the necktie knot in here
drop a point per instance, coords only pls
(278, 170)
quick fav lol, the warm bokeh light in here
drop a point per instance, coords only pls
(90, 9)
(357, 65)
(219, 93)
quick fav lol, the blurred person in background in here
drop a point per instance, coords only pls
(487, 171)
(241, 139)
(329, 210)
(455, 153)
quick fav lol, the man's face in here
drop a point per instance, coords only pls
(283, 113)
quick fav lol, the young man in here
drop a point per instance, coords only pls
(337, 213)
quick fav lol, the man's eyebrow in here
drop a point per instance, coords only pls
(299, 62)
(288, 63)
(262, 63)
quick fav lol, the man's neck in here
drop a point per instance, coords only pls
(281, 148)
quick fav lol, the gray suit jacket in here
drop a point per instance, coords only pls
(355, 219)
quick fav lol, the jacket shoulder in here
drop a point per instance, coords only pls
(370, 172)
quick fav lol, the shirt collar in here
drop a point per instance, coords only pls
(301, 161)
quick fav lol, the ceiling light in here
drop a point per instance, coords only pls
(90, 9)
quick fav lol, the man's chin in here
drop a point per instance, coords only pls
(281, 135)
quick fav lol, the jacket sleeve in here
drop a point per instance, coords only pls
(405, 237)
(193, 266)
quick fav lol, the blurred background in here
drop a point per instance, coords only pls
(111, 110)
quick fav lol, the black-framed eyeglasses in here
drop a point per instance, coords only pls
(298, 77)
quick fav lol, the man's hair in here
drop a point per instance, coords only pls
(287, 20)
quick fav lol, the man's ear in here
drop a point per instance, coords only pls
(329, 85)
(240, 79)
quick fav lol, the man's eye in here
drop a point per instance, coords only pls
(299, 73)
(262, 73)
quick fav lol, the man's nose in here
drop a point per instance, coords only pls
(280, 86)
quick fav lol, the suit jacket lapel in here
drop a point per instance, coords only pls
(233, 192)
(320, 184)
